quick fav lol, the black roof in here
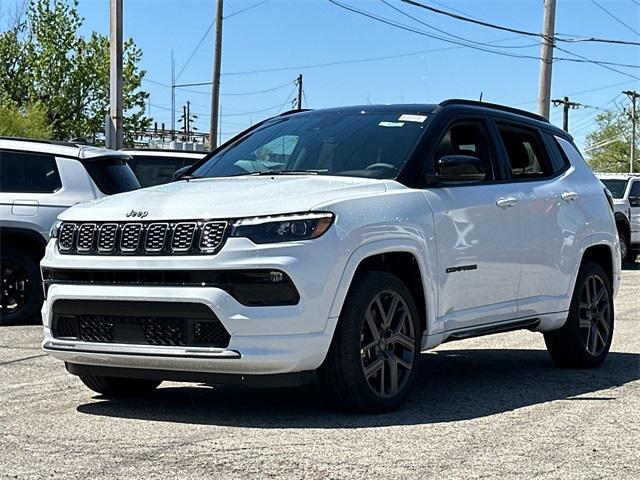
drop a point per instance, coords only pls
(430, 108)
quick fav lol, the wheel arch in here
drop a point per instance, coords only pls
(410, 262)
(23, 239)
(623, 225)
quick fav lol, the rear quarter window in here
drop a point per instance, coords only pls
(23, 172)
(111, 175)
(155, 170)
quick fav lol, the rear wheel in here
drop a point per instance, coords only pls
(585, 338)
(119, 387)
(626, 253)
(21, 291)
(372, 361)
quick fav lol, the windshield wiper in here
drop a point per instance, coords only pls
(187, 177)
(278, 172)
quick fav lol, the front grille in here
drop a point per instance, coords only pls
(138, 323)
(107, 237)
(156, 236)
(142, 238)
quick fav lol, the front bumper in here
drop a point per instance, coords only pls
(264, 340)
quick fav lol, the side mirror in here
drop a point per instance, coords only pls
(459, 169)
(634, 201)
(178, 173)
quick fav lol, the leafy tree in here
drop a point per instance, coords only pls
(44, 61)
(609, 146)
(28, 122)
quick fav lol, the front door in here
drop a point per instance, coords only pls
(478, 231)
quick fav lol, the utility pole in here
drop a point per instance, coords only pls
(215, 85)
(299, 83)
(566, 105)
(173, 97)
(633, 96)
(546, 58)
(114, 135)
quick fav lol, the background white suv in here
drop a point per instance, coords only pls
(625, 189)
(341, 242)
(39, 179)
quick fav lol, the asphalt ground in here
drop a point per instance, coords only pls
(483, 408)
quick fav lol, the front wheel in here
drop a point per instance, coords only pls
(119, 387)
(626, 253)
(372, 360)
(20, 288)
(585, 339)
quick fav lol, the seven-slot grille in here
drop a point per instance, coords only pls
(138, 238)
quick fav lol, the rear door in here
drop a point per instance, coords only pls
(554, 215)
(478, 230)
(30, 190)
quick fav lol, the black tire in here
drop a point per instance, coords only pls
(119, 387)
(21, 287)
(343, 371)
(570, 346)
(628, 255)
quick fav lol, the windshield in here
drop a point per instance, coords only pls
(358, 144)
(616, 187)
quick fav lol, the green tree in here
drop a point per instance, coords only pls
(30, 122)
(609, 145)
(44, 61)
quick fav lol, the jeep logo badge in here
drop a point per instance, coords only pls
(140, 214)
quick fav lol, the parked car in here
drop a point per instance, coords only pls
(38, 180)
(625, 189)
(154, 167)
(339, 243)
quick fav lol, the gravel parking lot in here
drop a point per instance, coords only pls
(489, 407)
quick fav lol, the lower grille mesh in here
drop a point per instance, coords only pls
(155, 328)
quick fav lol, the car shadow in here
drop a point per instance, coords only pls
(452, 385)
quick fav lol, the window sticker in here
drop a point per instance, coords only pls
(405, 117)
(391, 124)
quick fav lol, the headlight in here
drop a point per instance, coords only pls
(283, 228)
(55, 228)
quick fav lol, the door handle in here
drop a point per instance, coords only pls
(569, 196)
(506, 202)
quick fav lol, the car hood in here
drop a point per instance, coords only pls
(230, 197)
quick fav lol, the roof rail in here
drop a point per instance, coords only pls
(291, 112)
(494, 106)
(39, 140)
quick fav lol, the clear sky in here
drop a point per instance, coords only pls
(291, 34)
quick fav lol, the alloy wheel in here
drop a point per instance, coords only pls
(387, 344)
(15, 287)
(595, 315)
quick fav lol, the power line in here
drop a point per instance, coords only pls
(476, 47)
(234, 94)
(242, 10)
(468, 19)
(202, 39)
(451, 34)
(614, 17)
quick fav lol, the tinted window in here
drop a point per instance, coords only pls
(635, 189)
(359, 144)
(154, 170)
(463, 155)
(617, 187)
(527, 157)
(28, 172)
(111, 175)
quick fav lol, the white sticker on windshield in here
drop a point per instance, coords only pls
(412, 118)
(391, 124)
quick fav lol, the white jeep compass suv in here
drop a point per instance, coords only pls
(342, 243)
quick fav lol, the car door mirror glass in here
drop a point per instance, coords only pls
(459, 169)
